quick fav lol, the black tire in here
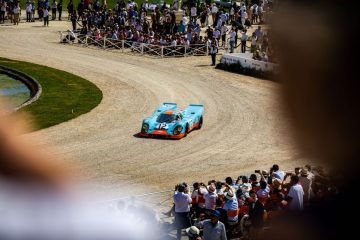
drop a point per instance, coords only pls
(200, 122)
(186, 130)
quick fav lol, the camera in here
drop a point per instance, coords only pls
(257, 171)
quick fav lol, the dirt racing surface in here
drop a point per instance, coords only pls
(243, 128)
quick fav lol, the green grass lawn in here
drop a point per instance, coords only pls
(64, 95)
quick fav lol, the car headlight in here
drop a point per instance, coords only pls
(145, 127)
(177, 130)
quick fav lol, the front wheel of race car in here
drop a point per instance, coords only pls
(186, 130)
(200, 122)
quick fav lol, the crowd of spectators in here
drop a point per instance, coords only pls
(202, 22)
(246, 206)
(160, 25)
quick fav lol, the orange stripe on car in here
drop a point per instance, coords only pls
(169, 112)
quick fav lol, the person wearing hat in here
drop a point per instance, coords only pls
(182, 201)
(213, 229)
(210, 197)
(231, 206)
(193, 233)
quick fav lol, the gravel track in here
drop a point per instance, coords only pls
(243, 129)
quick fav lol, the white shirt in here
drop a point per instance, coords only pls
(263, 193)
(297, 194)
(244, 37)
(279, 174)
(182, 201)
(28, 8)
(193, 11)
(16, 10)
(46, 13)
(210, 198)
(214, 9)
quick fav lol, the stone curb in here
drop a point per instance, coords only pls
(33, 85)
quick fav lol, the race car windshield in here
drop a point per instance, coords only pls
(168, 118)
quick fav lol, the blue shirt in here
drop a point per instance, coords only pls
(231, 205)
(181, 28)
(213, 232)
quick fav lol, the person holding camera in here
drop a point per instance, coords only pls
(245, 186)
(210, 197)
(182, 201)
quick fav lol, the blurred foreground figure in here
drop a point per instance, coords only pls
(321, 95)
(39, 201)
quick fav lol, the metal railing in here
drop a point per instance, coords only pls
(126, 46)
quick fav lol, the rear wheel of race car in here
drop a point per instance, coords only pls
(200, 122)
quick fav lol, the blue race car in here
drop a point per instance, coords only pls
(169, 121)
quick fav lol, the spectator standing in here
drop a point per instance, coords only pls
(256, 215)
(181, 27)
(182, 201)
(2, 11)
(46, 16)
(17, 14)
(80, 8)
(59, 8)
(210, 197)
(223, 31)
(193, 14)
(73, 19)
(70, 8)
(40, 10)
(295, 197)
(214, 11)
(253, 43)
(231, 206)
(232, 39)
(244, 38)
(213, 52)
(32, 11)
(53, 10)
(28, 11)
(259, 34)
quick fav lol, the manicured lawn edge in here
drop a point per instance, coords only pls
(64, 96)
